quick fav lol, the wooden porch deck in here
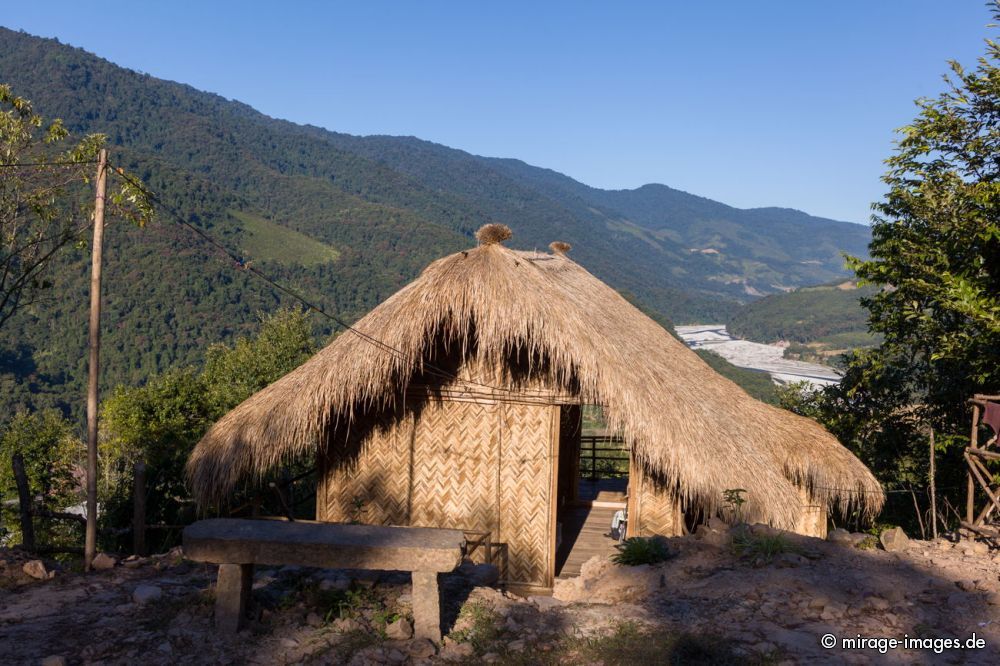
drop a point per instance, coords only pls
(585, 534)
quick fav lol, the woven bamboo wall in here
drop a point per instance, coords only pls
(455, 451)
(654, 507)
(373, 487)
(528, 468)
(474, 465)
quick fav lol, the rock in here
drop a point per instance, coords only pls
(456, 652)
(347, 625)
(314, 620)
(967, 585)
(289, 643)
(54, 660)
(516, 646)
(491, 658)
(145, 594)
(894, 540)
(396, 657)
(858, 538)
(103, 562)
(400, 630)
(165, 647)
(546, 603)
(878, 603)
(36, 569)
(841, 536)
(422, 649)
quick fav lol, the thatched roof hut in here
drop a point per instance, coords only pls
(496, 324)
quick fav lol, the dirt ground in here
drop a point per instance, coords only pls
(709, 603)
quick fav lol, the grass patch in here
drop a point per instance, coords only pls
(265, 240)
(479, 624)
(640, 550)
(761, 547)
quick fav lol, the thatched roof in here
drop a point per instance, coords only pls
(686, 423)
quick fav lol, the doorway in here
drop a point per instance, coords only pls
(593, 486)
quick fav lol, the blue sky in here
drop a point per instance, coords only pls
(750, 103)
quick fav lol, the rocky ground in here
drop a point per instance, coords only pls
(726, 596)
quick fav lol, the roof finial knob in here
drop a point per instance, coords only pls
(560, 248)
(490, 234)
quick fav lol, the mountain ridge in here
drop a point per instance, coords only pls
(385, 206)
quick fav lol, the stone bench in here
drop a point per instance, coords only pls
(236, 545)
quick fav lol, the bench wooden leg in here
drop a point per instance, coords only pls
(426, 606)
(232, 594)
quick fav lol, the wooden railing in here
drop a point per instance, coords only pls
(493, 553)
(602, 457)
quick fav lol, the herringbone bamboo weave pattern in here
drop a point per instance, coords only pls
(481, 466)
(659, 510)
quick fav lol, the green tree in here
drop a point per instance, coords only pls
(53, 459)
(160, 422)
(935, 255)
(43, 207)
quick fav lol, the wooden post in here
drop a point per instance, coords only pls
(139, 509)
(934, 519)
(90, 544)
(970, 488)
(24, 498)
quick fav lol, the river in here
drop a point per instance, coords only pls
(756, 356)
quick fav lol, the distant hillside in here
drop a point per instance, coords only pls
(345, 220)
(819, 322)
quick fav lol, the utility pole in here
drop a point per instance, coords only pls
(90, 545)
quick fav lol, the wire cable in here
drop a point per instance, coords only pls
(26, 165)
(242, 264)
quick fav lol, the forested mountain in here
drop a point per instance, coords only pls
(819, 323)
(345, 220)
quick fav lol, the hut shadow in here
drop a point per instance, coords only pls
(715, 594)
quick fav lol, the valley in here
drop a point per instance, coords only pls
(768, 358)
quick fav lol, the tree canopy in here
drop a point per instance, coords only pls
(935, 259)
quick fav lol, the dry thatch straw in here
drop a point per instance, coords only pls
(689, 425)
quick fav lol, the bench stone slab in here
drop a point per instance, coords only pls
(236, 545)
(324, 545)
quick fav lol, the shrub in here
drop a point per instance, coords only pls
(640, 550)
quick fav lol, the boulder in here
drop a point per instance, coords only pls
(36, 569)
(54, 660)
(422, 649)
(894, 540)
(457, 652)
(314, 620)
(841, 536)
(144, 594)
(103, 562)
(400, 630)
